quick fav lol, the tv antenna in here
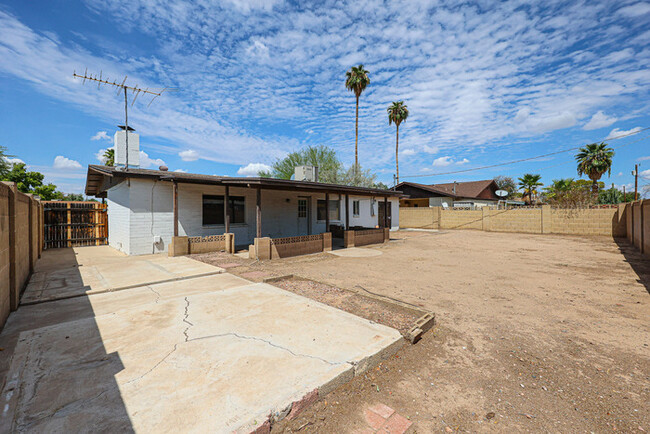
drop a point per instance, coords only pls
(122, 87)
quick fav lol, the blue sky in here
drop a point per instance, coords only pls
(485, 83)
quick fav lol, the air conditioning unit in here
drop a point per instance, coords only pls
(306, 173)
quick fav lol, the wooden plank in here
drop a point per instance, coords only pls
(69, 215)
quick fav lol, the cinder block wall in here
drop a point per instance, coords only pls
(21, 244)
(421, 218)
(461, 219)
(638, 225)
(605, 221)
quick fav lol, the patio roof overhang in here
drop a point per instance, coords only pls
(101, 178)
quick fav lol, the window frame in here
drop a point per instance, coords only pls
(356, 208)
(232, 202)
(337, 204)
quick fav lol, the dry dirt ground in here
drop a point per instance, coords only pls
(535, 333)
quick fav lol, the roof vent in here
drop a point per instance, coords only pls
(163, 168)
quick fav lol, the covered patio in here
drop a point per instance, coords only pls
(192, 213)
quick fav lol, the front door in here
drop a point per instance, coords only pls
(380, 214)
(303, 216)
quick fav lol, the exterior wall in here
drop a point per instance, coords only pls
(369, 236)
(602, 221)
(637, 217)
(144, 210)
(21, 244)
(119, 217)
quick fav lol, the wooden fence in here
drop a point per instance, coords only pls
(74, 224)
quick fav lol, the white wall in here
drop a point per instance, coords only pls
(144, 210)
(118, 217)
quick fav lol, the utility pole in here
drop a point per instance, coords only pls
(122, 86)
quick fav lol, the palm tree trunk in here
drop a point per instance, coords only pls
(356, 140)
(594, 187)
(397, 155)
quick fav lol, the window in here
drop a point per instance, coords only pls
(302, 208)
(355, 208)
(335, 212)
(213, 209)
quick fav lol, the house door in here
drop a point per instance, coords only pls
(380, 214)
(303, 216)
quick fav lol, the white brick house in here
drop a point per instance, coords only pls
(141, 207)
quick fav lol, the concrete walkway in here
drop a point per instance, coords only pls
(65, 273)
(213, 353)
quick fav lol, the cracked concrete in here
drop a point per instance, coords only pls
(214, 353)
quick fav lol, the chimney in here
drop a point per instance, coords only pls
(119, 140)
(306, 173)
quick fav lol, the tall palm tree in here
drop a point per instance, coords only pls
(529, 183)
(109, 157)
(397, 112)
(356, 80)
(594, 160)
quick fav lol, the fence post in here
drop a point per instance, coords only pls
(14, 291)
(69, 215)
(545, 216)
(30, 232)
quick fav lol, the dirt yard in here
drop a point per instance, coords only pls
(535, 333)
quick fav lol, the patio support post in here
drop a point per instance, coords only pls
(226, 210)
(347, 212)
(327, 212)
(175, 204)
(385, 211)
(259, 213)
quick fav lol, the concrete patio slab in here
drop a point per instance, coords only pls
(220, 361)
(65, 273)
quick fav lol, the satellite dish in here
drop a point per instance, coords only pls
(501, 193)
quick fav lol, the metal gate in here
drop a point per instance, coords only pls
(73, 224)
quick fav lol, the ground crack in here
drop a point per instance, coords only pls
(155, 292)
(154, 366)
(187, 314)
(254, 338)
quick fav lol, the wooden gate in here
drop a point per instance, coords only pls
(73, 224)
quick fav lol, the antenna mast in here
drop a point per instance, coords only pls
(122, 86)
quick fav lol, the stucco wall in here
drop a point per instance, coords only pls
(143, 210)
(461, 219)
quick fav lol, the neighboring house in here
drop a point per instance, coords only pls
(466, 194)
(141, 216)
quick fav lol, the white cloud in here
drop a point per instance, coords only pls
(189, 155)
(431, 149)
(646, 158)
(13, 161)
(635, 10)
(645, 174)
(180, 171)
(407, 152)
(619, 174)
(599, 120)
(258, 49)
(252, 169)
(442, 161)
(617, 132)
(146, 162)
(63, 163)
(102, 135)
(448, 161)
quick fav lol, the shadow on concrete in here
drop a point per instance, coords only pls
(46, 389)
(637, 260)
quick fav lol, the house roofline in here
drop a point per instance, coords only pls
(101, 178)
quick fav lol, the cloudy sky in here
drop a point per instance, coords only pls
(485, 83)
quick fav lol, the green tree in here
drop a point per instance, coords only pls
(529, 183)
(397, 113)
(559, 186)
(109, 156)
(25, 181)
(506, 183)
(321, 156)
(594, 160)
(356, 80)
(359, 178)
(5, 166)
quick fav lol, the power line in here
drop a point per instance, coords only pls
(520, 160)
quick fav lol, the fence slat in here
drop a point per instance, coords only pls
(74, 224)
